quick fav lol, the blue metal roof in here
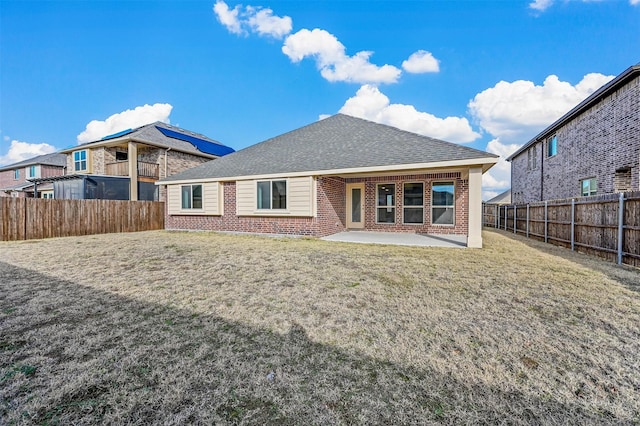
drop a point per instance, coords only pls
(117, 135)
(202, 145)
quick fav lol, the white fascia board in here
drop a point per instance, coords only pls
(486, 164)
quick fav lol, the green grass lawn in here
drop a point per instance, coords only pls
(173, 328)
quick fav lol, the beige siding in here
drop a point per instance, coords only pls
(246, 197)
(211, 200)
(300, 201)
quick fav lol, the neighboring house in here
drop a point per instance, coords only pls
(13, 178)
(500, 199)
(336, 174)
(126, 165)
(592, 149)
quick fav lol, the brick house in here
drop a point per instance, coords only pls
(13, 178)
(592, 149)
(340, 173)
(126, 165)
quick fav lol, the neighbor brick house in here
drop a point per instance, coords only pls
(126, 165)
(592, 149)
(336, 174)
(13, 178)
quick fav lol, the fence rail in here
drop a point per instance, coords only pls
(121, 168)
(604, 225)
(35, 218)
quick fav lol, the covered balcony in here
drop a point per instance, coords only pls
(121, 168)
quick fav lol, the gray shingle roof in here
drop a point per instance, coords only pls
(53, 159)
(337, 142)
(504, 198)
(150, 134)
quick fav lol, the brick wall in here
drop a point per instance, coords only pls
(460, 226)
(331, 206)
(7, 178)
(97, 161)
(232, 222)
(595, 144)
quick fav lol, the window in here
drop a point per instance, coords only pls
(192, 196)
(413, 203)
(47, 195)
(16, 174)
(386, 203)
(80, 160)
(552, 146)
(122, 155)
(442, 203)
(272, 195)
(32, 172)
(589, 187)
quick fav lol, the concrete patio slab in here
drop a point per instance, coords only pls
(397, 238)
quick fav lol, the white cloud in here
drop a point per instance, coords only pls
(540, 5)
(421, 62)
(371, 104)
(228, 17)
(259, 20)
(516, 111)
(499, 176)
(19, 151)
(332, 61)
(265, 23)
(128, 119)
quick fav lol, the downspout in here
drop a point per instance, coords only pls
(542, 173)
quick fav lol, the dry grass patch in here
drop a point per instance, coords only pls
(163, 327)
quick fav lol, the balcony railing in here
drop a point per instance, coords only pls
(121, 168)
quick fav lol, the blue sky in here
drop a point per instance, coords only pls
(488, 74)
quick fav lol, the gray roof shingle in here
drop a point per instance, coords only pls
(337, 142)
(53, 159)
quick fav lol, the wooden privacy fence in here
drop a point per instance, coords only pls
(34, 218)
(604, 225)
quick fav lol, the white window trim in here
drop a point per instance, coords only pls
(86, 160)
(16, 174)
(590, 189)
(413, 207)
(192, 209)
(449, 182)
(36, 169)
(395, 202)
(271, 210)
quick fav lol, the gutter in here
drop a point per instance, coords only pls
(592, 99)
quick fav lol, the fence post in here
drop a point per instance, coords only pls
(546, 215)
(515, 214)
(620, 226)
(495, 219)
(506, 217)
(527, 220)
(573, 224)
